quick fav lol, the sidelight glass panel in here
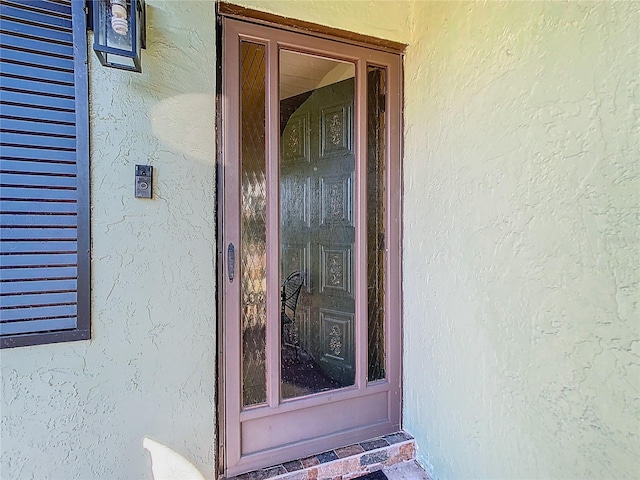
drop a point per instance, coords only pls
(317, 166)
(376, 192)
(253, 207)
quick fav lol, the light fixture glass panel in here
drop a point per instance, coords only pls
(119, 32)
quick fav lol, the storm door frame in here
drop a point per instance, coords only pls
(232, 462)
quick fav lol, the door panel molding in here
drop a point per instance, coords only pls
(294, 426)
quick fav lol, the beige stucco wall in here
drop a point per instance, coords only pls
(82, 410)
(520, 247)
(521, 250)
(388, 19)
(146, 381)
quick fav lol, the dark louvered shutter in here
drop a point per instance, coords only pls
(44, 177)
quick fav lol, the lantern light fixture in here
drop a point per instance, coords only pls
(119, 32)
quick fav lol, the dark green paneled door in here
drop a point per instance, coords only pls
(317, 230)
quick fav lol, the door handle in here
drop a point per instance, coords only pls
(231, 261)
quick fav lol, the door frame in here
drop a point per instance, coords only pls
(393, 199)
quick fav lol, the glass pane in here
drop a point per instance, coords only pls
(115, 20)
(317, 165)
(376, 99)
(253, 257)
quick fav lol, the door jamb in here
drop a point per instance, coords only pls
(219, 403)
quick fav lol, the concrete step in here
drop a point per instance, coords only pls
(409, 470)
(394, 454)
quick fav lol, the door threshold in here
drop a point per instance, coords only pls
(345, 463)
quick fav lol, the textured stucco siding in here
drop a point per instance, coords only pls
(521, 260)
(388, 19)
(82, 410)
(521, 241)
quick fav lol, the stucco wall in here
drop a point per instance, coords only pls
(388, 19)
(521, 239)
(520, 247)
(82, 410)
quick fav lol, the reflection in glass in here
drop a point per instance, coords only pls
(317, 235)
(253, 207)
(376, 189)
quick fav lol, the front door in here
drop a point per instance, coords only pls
(310, 226)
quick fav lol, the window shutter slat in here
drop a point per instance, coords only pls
(43, 88)
(43, 273)
(47, 18)
(37, 325)
(11, 39)
(38, 260)
(32, 312)
(11, 26)
(41, 60)
(38, 233)
(41, 324)
(45, 195)
(45, 6)
(44, 236)
(34, 167)
(41, 246)
(32, 300)
(48, 208)
(42, 128)
(36, 220)
(25, 153)
(28, 287)
(37, 113)
(35, 72)
(41, 100)
(46, 181)
(38, 140)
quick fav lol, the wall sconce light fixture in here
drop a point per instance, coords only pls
(119, 32)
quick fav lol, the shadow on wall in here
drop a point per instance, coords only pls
(169, 465)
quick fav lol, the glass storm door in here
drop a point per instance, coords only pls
(310, 225)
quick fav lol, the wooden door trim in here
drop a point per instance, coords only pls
(312, 29)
